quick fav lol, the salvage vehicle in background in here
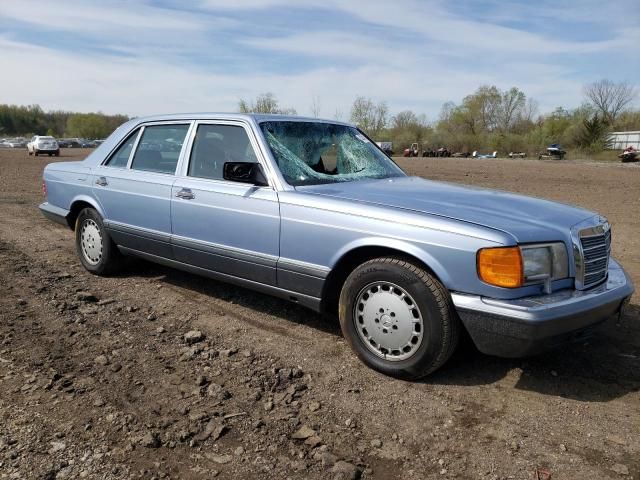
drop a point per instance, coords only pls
(314, 212)
(412, 151)
(43, 144)
(554, 152)
(629, 154)
(386, 147)
(475, 154)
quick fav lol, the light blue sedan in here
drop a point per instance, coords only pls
(314, 212)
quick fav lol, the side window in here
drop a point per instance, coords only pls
(159, 148)
(120, 157)
(216, 144)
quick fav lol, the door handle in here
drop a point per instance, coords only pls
(185, 194)
(102, 182)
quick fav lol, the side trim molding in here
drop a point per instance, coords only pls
(305, 300)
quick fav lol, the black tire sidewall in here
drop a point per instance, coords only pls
(433, 319)
(109, 250)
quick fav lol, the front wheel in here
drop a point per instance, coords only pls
(97, 251)
(398, 318)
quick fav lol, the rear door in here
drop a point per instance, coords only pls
(228, 227)
(134, 187)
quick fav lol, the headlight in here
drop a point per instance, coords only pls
(513, 267)
(545, 261)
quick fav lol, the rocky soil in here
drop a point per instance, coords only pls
(156, 373)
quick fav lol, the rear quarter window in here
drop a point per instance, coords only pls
(120, 157)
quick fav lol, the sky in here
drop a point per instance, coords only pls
(140, 57)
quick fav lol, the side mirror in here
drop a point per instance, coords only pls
(245, 172)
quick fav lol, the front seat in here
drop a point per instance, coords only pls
(208, 159)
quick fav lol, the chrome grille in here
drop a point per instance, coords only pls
(595, 252)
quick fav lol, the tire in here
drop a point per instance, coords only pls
(30, 153)
(95, 248)
(57, 154)
(35, 152)
(419, 324)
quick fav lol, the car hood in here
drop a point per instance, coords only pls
(527, 219)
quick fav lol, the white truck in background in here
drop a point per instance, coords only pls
(386, 147)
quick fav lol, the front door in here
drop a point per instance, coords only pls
(228, 227)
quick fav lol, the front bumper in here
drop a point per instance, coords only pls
(530, 325)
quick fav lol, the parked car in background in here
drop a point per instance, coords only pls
(43, 144)
(15, 143)
(84, 143)
(314, 212)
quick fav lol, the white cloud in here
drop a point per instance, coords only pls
(80, 15)
(429, 57)
(146, 86)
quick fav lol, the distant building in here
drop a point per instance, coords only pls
(622, 140)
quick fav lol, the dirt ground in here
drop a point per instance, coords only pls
(156, 373)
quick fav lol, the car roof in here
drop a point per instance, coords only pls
(256, 117)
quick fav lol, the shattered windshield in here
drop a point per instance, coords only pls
(310, 153)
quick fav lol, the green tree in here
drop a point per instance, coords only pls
(31, 119)
(407, 127)
(594, 134)
(87, 125)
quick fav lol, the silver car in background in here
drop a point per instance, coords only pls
(43, 144)
(314, 212)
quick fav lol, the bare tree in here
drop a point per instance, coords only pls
(513, 103)
(370, 117)
(447, 111)
(315, 106)
(610, 98)
(264, 103)
(530, 110)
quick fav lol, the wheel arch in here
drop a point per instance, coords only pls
(353, 255)
(77, 205)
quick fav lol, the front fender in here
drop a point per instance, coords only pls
(401, 246)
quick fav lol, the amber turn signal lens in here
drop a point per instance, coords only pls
(501, 266)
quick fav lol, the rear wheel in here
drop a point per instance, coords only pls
(97, 251)
(35, 152)
(398, 318)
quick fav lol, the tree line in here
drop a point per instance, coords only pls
(490, 119)
(30, 120)
(485, 120)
